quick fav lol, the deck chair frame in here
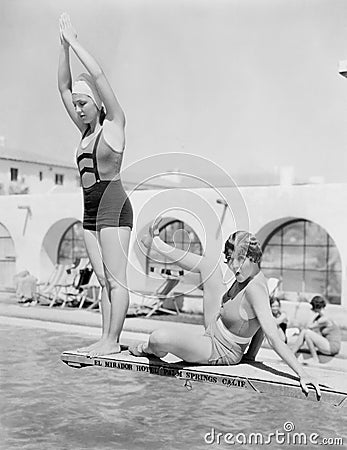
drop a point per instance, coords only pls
(163, 292)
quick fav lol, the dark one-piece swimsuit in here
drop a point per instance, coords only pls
(106, 203)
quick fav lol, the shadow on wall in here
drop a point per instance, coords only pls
(50, 246)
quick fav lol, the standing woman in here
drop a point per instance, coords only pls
(108, 218)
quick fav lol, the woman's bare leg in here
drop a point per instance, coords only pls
(94, 253)
(188, 346)
(210, 271)
(314, 342)
(317, 342)
(186, 260)
(312, 348)
(114, 243)
(299, 342)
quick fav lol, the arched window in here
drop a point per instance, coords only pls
(305, 257)
(71, 246)
(179, 235)
(7, 258)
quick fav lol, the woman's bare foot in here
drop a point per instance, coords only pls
(154, 228)
(146, 241)
(91, 347)
(108, 347)
(139, 349)
(153, 231)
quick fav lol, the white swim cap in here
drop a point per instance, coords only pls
(84, 85)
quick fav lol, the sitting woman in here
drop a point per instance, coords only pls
(281, 318)
(235, 326)
(322, 334)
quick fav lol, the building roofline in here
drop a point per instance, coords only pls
(40, 163)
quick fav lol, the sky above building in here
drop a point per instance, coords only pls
(247, 88)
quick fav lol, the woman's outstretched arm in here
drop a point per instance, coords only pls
(257, 296)
(114, 112)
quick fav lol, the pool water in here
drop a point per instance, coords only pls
(48, 405)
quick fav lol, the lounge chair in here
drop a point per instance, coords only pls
(47, 292)
(53, 291)
(90, 293)
(273, 285)
(155, 302)
(82, 290)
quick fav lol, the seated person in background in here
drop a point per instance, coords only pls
(235, 320)
(25, 285)
(281, 318)
(322, 334)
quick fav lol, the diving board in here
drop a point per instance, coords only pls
(270, 377)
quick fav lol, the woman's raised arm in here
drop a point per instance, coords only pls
(65, 81)
(114, 112)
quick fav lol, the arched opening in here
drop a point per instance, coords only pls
(61, 245)
(303, 255)
(72, 246)
(7, 259)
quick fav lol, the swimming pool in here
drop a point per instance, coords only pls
(47, 405)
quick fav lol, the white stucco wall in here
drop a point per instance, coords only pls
(259, 209)
(45, 212)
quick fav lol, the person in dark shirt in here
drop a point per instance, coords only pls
(280, 317)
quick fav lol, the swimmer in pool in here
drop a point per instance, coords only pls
(235, 321)
(108, 217)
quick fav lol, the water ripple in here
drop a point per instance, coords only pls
(47, 405)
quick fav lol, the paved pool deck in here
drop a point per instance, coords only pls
(9, 307)
(135, 328)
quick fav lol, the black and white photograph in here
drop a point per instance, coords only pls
(173, 224)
